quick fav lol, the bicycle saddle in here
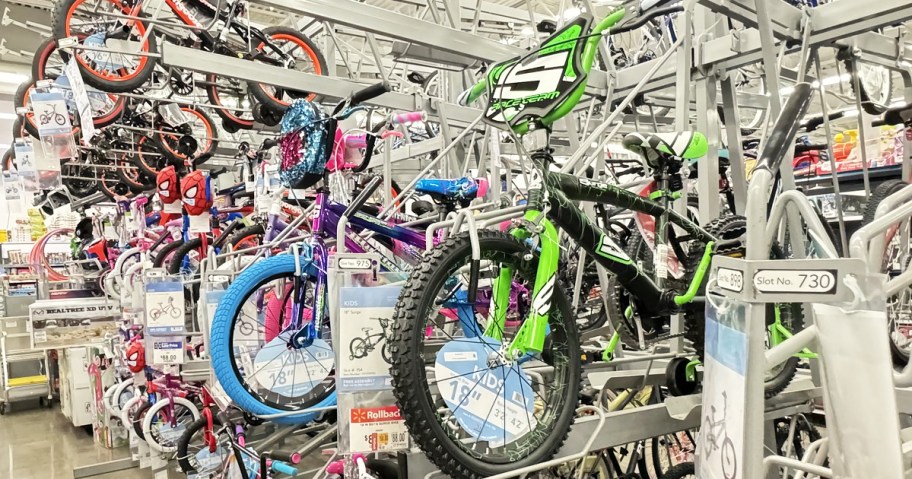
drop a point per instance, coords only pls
(658, 148)
(452, 190)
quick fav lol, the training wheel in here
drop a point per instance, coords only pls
(676, 378)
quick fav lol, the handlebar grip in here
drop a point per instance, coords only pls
(806, 148)
(408, 117)
(269, 143)
(370, 92)
(639, 22)
(283, 468)
(355, 141)
(368, 154)
(286, 456)
(369, 189)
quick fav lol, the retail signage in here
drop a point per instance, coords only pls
(25, 163)
(164, 308)
(71, 323)
(378, 428)
(730, 279)
(169, 351)
(12, 187)
(365, 317)
(721, 437)
(72, 78)
(795, 281)
(51, 114)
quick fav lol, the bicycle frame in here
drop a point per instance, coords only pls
(563, 189)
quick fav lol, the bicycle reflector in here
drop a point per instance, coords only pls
(304, 147)
(136, 357)
(168, 185)
(195, 193)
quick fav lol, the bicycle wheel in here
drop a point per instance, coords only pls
(95, 24)
(357, 348)
(790, 314)
(165, 254)
(684, 470)
(270, 376)
(247, 237)
(876, 84)
(137, 417)
(306, 58)
(895, 261)
(79, 176)
(199, 126)
(803, 436)
(534, 410)
(165, 422)
(186, 258)
(232, 94)
(148, 157)
(129, 410)
(193, 453)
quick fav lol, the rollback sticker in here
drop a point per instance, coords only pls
(493, 403)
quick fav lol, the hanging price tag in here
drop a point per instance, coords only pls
(11, 185)
(51, 114)
(377, 429)
(199, 223)
(164, 308)
(168, 352)
(73, 78)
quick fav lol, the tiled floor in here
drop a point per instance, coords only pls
(39, 443)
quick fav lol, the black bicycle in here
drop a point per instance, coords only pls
(360, 347)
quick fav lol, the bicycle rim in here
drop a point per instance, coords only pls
(455, 387)
(275, 373)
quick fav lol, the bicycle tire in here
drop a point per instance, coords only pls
(138, 418)
(221, 345)
(887, 188)
(681, 471)
(130, 408)
(408, 367)
(869, 102)
(119, 391)
(60, 27)
(148, 164)
(239, 120)
(162, 403)
(211, 135)
(731, 227)
(166, 253)
(253, 232)
(177, 259)
(183, 444)
(259, 91)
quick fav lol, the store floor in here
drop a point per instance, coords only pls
(39, 443)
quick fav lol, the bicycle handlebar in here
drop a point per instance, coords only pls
(369, 189)
(781, 136)
(286, 456)
(362, 96)
(640, 21)
(408, 117)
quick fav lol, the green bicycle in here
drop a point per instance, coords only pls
(480, 394)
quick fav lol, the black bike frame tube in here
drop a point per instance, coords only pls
(577, 189)
(563, 189)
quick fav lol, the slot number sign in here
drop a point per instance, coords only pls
(795, 281)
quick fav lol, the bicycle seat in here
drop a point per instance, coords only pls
(659, 148)
(452, 190)
(367, 330)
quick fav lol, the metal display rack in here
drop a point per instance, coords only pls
(700, 70)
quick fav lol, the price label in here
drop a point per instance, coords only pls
(730, 279)
(377, 429)
(199, 223)
(81, 99)
(821, 281)
(164, 308)
(168, 352)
